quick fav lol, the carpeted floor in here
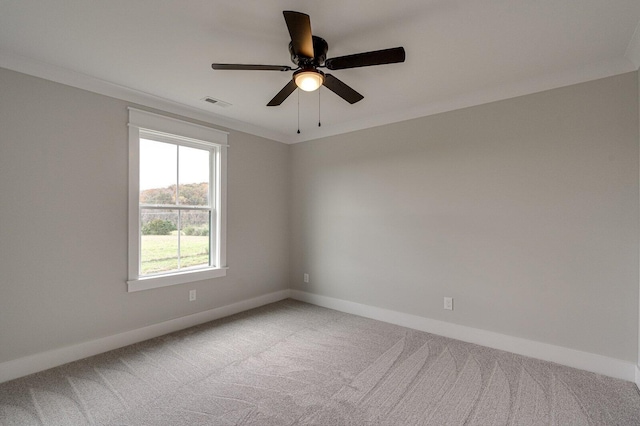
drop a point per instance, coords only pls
(294, 363)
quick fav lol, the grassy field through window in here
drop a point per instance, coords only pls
(159, 253)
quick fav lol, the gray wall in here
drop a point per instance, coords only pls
(525, 211)
(63, 221)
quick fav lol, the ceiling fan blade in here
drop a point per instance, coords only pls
(283, 94)
(341, 89)
(299, 26)
(243, 67)
(366, 59)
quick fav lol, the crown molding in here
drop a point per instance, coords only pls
(25, 65)
(633, 49)
(493, 94)
(630, 62)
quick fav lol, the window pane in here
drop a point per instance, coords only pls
(194, 176)
(158, 241)
(158, 172)
(194, 239)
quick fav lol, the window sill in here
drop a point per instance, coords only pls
(147, 283)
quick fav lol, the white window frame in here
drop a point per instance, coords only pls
(189, 133)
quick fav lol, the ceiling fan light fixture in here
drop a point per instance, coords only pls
(309, 79)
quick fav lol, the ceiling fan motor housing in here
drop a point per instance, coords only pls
(320, 48)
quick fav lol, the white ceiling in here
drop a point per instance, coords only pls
(459, 53)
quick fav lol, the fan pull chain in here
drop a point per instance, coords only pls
(319, 124)
(298, 110)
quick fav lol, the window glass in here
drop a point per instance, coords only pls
(158, 241)
(158, 172)
(174, 175)
(195, 239)
(194, 176)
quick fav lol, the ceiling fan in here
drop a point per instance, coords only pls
(308, 53)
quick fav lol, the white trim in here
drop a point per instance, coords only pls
(13, 369)
(570, 357)
(30, 364)
(165, 137)
(185, 133)
(36, 68)
(221, 216)
(182, 277)
(133, 246)
(633, 48)
(481, 97)
(173, 126)
(583, 74)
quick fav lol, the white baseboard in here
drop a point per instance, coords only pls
(638, 376)
(612, 367)
(570, 357)
(13, 369)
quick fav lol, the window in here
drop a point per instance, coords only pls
(177, 194)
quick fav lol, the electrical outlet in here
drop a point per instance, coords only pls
(192, 295)
(448, 303)
(306, 278)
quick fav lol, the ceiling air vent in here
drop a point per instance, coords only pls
(216, 102)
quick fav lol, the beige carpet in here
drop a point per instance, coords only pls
(294, 363)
